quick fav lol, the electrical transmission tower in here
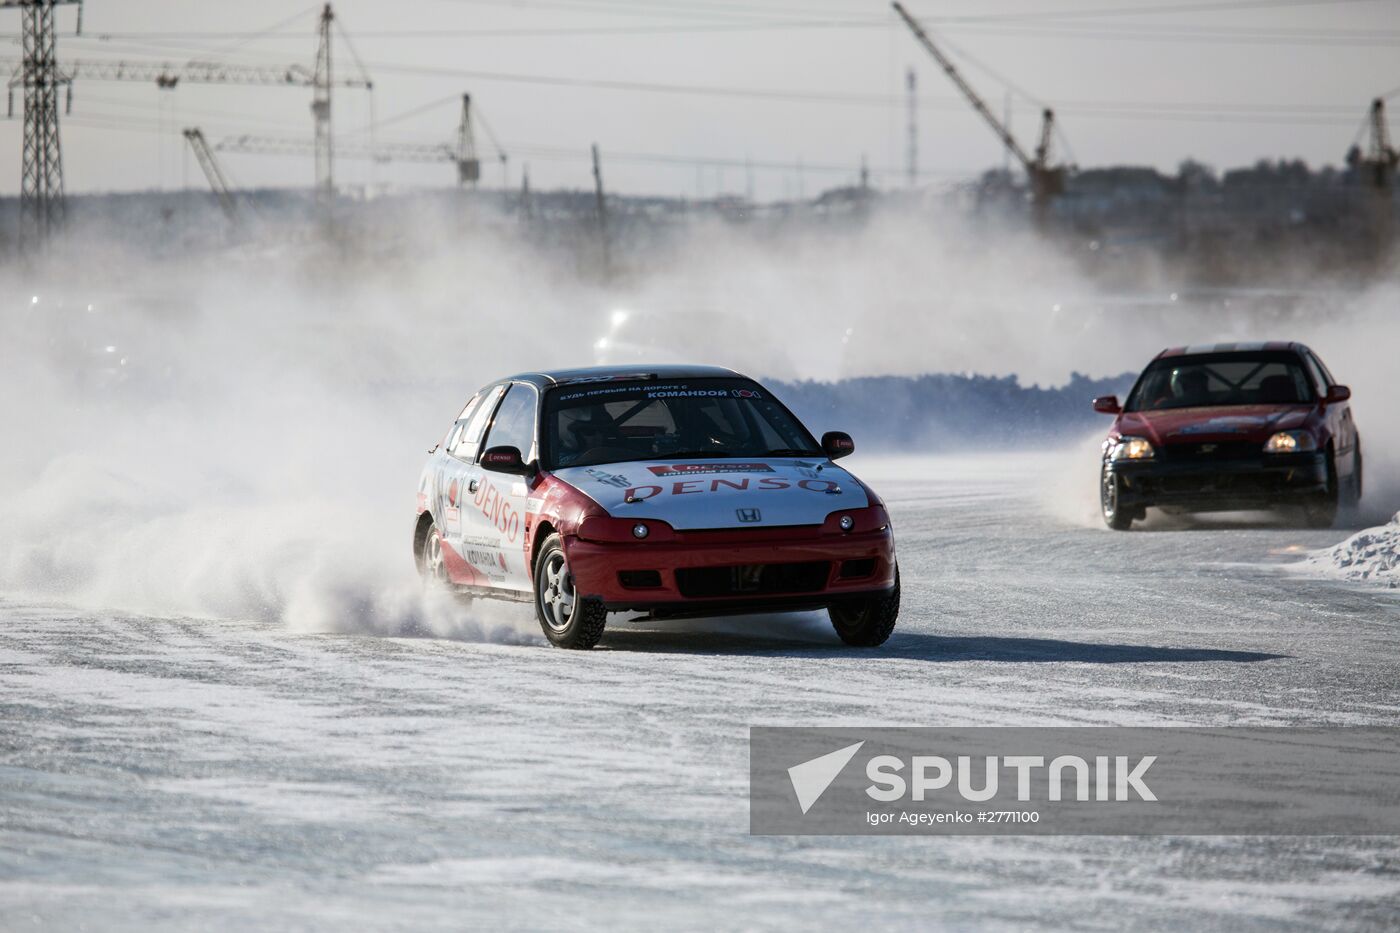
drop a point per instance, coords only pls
(41, 178)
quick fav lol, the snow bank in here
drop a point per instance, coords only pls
(1370, 556)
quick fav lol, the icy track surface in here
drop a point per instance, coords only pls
(189, 774)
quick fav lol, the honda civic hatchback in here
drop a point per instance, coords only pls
(661, 491)
(1231, 426)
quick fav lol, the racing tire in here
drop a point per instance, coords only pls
(568, 620)
(1354, 488)
(1322, 511)
(431, 565)
(869, 622)
(1114, 515)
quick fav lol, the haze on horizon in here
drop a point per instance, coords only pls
(818, 84)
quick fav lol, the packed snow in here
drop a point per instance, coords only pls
(1371, 556)
(178, 772)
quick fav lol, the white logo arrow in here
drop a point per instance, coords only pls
(811, 778)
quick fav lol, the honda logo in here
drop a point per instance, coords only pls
(748, 515)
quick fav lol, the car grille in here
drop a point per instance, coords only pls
(750, 579)
(1212, 452)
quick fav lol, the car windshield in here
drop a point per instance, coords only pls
(611, 422)
(1221, 379)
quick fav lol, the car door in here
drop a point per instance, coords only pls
(499, 501)
(461, 479)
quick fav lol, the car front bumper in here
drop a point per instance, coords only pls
(728, 571)
(1260, 482)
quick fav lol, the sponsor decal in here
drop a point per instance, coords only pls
(1236, 424)
(609, 479)
(669, 390)
(499, 511)
(680, 469)
(762, 484)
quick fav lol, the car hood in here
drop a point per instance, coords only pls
(720, 493)
(1216, 423)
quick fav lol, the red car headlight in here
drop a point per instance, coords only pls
(855, 521)
(604, 529)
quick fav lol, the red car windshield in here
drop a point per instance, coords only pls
(613, 422)
(1216, 380)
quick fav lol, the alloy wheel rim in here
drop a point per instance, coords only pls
(434, 565)
(557, 597)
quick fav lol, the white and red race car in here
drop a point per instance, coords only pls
(668, 491)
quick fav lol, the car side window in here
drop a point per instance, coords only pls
(514, 424)
(469, 438)
(1327, 378)
(454, 432)
(1319, 377)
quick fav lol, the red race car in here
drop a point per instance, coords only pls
(668, 491)
(1231, 426)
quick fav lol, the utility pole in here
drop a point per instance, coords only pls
(41, 176)
(525, 193)
(864, 174)
(911, 82)
(468, 165)
(602, 212)
(321, 110)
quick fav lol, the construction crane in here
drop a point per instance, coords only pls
(463, 153)
(210, 166)
(1376, 164)
(1046, 181)
(41, 204)
(378, 152)
(167, 76)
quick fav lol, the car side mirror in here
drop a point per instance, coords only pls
(838, 444)
(1338, 393)
(1107, 404)
(504, 460)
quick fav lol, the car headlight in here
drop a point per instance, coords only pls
(1133, 448)
(1290, 442)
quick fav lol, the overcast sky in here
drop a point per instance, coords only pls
(1142, 82)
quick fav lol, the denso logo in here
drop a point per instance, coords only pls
(761, 484)
(498, 511)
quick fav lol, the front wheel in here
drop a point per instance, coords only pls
(1322, 512)
(869, 622)
(567, 620)
(1115, 515)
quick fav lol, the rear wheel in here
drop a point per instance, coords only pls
(1115, 515)
(567, 620)
(869, 622)
(430, 561)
